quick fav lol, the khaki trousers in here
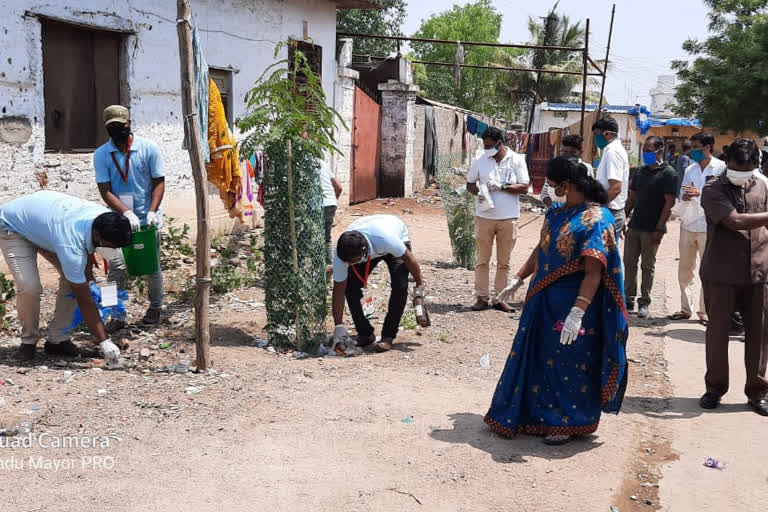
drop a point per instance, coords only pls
(505, 233)
(691, 249)
(752, 301)
(21, 257)
(639, 244)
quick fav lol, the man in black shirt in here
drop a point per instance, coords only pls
(651, 195)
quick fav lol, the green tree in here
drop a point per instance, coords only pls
(477, 90)
(726, 83)
(387, 20)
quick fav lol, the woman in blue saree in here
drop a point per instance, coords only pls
(568, 361)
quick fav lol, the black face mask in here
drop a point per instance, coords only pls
(119, 134)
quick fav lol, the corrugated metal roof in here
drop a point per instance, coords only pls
(576, 107)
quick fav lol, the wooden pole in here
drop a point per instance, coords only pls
(191, 121)
(584, 78)
(605, 64)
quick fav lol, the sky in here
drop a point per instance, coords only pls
(647, 34)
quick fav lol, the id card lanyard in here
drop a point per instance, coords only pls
(367, 302)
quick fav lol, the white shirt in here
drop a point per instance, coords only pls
(329, 194)
(547, 191)
(614, 165)
(512, 170)
(697, 177)
(385, 234)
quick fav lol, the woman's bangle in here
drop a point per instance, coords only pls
(584, 299)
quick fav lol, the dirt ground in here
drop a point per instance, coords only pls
(396, 431)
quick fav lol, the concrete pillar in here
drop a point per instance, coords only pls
(397, 138)
(344, 103)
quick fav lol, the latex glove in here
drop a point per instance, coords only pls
(153, 219)
(508, 293)
(111, 353)
(340, 334)
(571, 326)
(133, 219)
(418, 291)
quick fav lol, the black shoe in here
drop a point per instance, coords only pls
(480, 305)
(630, 305)
(759, 406)
(504, 307)
(26, 352)
(709, 401)
(151, 317)
(65, 348)
(364, 341)
(114, 326)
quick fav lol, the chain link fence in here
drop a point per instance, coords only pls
(294, 248)
(459, 208)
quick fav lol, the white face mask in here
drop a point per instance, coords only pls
(560, 199)
(108, 253)
(739, 178)
(490, 153)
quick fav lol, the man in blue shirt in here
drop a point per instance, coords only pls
(366, 243)
(131, 180)
(65, 231)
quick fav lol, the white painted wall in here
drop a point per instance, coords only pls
(252, 27)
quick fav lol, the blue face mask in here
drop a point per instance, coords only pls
(698, 155)
(600, 141)
(649, 158)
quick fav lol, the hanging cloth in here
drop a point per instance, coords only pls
(430, 142)
(472, 125)
(201, 95)
(224, 167)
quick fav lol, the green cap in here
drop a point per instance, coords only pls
(116, 114)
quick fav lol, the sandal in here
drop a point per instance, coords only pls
(556, 440)
(703, 321)
(680, 316)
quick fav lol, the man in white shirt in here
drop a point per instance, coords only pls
(613, 171)
(367, 242)
(570, 146)
(693, 232)
(331, 192)
(497, 178)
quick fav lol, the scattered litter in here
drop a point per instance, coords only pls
(633, 497)
(409, 419)
(60, 364)
(633, 360)
(192, 390)
(9, 382)
(101, 392)
(260, 343)
(271, 349)
(715, 464)
(2, 401)
(322, 350)
(42, 368)
(485, 361)
(33, 408)
(181, 366)
(144, 354)
(164, 345)
(17, 430)
(346, 348)
(114, 365)
(406, 494)
(300, 355)
(648, 502)
(21, 371)
(614, 508)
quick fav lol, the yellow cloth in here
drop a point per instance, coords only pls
(224, 167)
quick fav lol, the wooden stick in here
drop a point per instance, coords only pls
(292, 224)
(191, 122)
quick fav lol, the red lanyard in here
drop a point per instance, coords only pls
(124, 175)
(367, 273)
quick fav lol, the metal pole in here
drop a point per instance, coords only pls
(584, 78)
(605, 64)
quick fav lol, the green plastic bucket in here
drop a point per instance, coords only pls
(142, 257)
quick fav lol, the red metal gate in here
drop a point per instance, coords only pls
(366, 131)
(540, 154)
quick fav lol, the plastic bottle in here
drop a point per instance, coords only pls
(422, 315)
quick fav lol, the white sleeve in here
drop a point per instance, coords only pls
(473, 175)
(340, 270)
(614, 170)
(521, 170)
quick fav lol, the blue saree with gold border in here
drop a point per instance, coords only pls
(549, 388)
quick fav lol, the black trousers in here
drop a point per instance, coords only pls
(329, 212)
(398, 274)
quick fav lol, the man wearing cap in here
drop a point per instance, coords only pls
(131, 180)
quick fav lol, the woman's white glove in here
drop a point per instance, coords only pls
(153, 219)
(111, 353)
(571, 326)
(133, 219)
(508, 293)
(340, 334)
